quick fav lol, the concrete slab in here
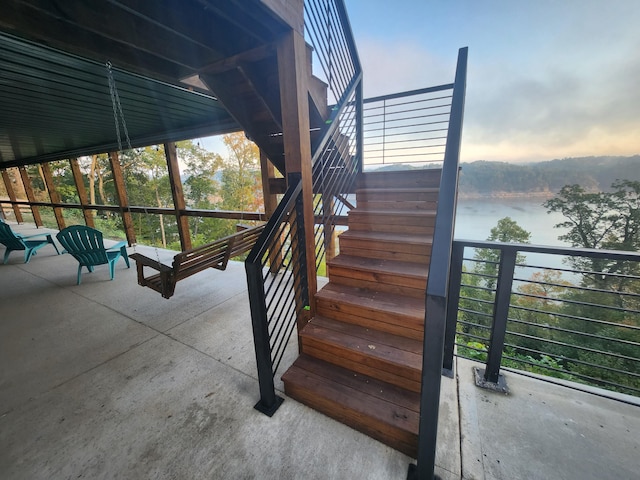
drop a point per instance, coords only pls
(543, 431)
(49, 335)
(194, 295)
(165, 410)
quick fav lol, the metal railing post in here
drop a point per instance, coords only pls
(500, 313)
(269, 401)
(438, 284)
(453, 298)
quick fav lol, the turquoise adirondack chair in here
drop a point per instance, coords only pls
(86, 246)
(15, 241)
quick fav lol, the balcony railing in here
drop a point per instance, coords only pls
(567, 313)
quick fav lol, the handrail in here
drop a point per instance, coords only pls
(276, 267)
(553, 323)
(438, 281)
(270, 267)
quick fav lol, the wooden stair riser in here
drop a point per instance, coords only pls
(387, 422)
(418, 223)
(380, 285)
(418, 205)
(397, 196)
(371, 317)
(376, 360)
(401, 179)
(393, 277)
(388, 250)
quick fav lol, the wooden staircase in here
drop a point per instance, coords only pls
(361, 355)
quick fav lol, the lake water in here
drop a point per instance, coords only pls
(476, 217)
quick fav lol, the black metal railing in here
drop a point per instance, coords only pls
(277, 266)
(278, 292)
(407, 128)
(337, 159)
(519, 306)
(438, 282)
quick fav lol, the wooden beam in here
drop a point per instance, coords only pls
(121, 195)
(12, 196)
(292, 58)
(234, 61)
(28, 188)
(53, 195)
(277, 185)
(177, 192)
(82, 192)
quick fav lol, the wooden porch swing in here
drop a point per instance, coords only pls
(190, 262)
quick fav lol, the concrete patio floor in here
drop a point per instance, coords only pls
(109, 380)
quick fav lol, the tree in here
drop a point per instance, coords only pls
(506, 231)
(602, 220)
(241, 186)
(476, 298)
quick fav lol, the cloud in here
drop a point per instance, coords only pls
(546, 79)
(555, 111)
(400, 65)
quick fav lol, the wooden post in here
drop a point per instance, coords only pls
(12, 196)
(268, 171)
(123, 200)
(270, 203)
(82, 192)
(294, 98)
(177, 192)
(53, 195)
(26, 181)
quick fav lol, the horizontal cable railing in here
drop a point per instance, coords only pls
(337, 157)
(572, 314)
(407, 128)
(335, 169)
(335, 59)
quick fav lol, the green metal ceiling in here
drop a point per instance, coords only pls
(56, 105)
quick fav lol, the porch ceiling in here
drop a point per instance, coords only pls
(54, 90)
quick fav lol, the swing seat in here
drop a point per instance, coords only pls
(190, 262)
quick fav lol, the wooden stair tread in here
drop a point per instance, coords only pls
(372, 300)
(362, 383)
(399, 238)
(382, 411)
(398, 190)
(370, 336)
(390, 267)
(400, 179)
(360, 210)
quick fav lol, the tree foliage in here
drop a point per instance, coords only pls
(210, 181)
(587, 331)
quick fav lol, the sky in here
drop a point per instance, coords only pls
(546, 79)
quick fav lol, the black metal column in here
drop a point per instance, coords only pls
(500, 314)
(269, 401)
(455, 279)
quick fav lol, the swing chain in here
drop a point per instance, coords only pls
(118, 114)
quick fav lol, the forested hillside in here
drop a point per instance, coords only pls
(483, 178)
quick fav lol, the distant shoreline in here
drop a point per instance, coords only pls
(476, 195)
